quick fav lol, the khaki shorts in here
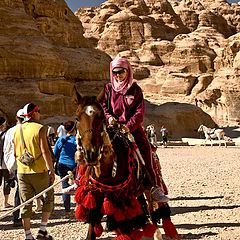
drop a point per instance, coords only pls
(29, 186)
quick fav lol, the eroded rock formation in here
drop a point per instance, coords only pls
(42, 52)
(186, 51)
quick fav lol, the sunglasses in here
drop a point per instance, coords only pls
(118, 72)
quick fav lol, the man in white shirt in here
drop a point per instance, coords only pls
(4, 173)
(61, 132)
(51, 134)
(10, 161)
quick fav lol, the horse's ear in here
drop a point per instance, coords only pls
(100, 96)
(76, 96)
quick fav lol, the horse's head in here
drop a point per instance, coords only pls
(200, 129)
(90, 125)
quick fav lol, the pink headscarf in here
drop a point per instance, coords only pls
(122, 87)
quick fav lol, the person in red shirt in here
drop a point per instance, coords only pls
(124, 103)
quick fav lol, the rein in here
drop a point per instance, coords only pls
(107, 188)
(96, 185)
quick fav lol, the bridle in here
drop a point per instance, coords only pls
(92, 157)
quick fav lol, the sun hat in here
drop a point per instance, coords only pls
(20, 113)
(28, 111)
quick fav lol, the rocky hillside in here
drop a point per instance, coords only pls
(42, 54)
(185, 56)
(185, 51)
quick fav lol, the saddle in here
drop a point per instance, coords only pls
(211, 131)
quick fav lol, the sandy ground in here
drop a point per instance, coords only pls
(204, 188)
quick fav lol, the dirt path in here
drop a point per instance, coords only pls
(204, 188)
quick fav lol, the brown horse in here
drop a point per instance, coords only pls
(111, 178)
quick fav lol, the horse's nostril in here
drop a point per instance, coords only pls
(91, 157)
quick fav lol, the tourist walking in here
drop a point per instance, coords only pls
(35, 173)
(10, 161)
(164, 134)
(51, 135)
(61, 131)
(4, 173)
(64, 151)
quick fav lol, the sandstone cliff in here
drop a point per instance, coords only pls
(185, 51)
(43, 53)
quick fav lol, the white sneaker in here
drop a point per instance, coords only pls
(158, 195)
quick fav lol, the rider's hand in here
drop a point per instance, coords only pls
(112, 121)
(124, 129)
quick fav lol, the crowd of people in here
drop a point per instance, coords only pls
(26, 149)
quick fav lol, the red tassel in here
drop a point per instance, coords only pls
(130, 212)
(118, 215)
(108, 207)
(80, 194)
(80, 213)
(136, 234)
(169, 228)
(98, 230)
(137, 206)
(89, 201)
(82, 170)
(149, 230)
(123, 237)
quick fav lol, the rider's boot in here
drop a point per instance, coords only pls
(158, 195)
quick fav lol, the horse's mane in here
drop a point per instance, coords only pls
(87, 100)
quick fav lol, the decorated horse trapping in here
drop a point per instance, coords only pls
(118, 202)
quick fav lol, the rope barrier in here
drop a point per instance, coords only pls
(36, 196)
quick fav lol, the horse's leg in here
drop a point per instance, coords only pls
(91, 234)
(148, 207)
(224, 140)
(158, 235)
(219, 138)
(211, 141)
(205, 141)
(146, 204)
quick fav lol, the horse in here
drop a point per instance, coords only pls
(212, 134)
(110, 179)
(151, 134)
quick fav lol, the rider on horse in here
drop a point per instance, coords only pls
(124, 103)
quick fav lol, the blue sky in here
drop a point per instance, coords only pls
(75, 4)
